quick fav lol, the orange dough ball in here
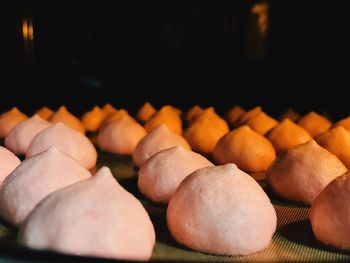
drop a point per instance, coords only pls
(315, 123)
(261, 123)
(233, 115)
(287, 134)
(249, 150)
(45, 113)
(337, 141)
(93, 119)
(64, 116)
(146, 112)
(9, 120)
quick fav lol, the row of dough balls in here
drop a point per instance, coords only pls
(304, 188)
(58, 205)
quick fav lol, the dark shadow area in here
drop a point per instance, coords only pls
(276, 199)
(301, 232)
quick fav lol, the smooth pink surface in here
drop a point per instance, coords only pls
(121, 136)
(36, 178)
(68, 140)
(8, 162)
(96, 217)
(221, 210)
(158, 139)
(330, 213)
(20, 137)
(161, 174)
(302, 172)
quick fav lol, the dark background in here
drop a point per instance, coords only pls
(175, 52)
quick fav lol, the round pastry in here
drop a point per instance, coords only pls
(95, 217)
(221, 210)
(261, 123)
(64, 116)
(344, 123)
(20, 137)
(93, 119)
(68, 141)
(161, 174)
(121, 136)
(8, 163)
(291, 115)
(9, 120)
(247, 115)
(249, 150)
(158, 139)
(146, 112)
(234, 114)
(45, 113)
(287, 134)
(206, 130)
(302, 172)
(166, 115)
(337, 141)
(315, 123)
(330, 213)
(36, 178)
(193, 113)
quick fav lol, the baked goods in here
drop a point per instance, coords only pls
(20, 137)
(302, 172)
(233, 115)
(247, 115)
(261, 123)
(329, 214)
(206, 130)
(221, 210)
(249, 150)
(93, 119)
(68, 141)
(146, 112)
(315, 123)
(337, 141)
(36, 178)
(45, 113)
(95, 217)
(287, 134)
(161, 174)
(344, 123)
(291, 115)
(193, 113)
(64, 116)
(120, 136)
(166, 115)
(158, 139)
(9, 120)
(8, 163)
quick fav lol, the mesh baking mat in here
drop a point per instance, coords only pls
(292, 242)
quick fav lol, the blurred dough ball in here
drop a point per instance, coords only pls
(64, 116)
(9, 120)
(315, 123)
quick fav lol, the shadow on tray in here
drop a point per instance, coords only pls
(301, 232)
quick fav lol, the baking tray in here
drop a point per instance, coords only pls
(292, 242)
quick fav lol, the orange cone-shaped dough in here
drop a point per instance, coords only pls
(10, 119)
(96, 217)
(194, 113)
(249, 150)
(166, 115)
(109, 109)
(302, 172)
(146, 112)
(121, 136)
(117, 115)
(20, 137)
(93, 119)
(344, 123)
(290, 114)
(330, 213)
(8, 163)
(45, 113)
(287, 134)
(34, 179)
(234, 114)
(221, 210)
(315, 123)
(261, 123)
(64, 116)
(337, 141)
(206, 131)
(158, 139)
(249, 114)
